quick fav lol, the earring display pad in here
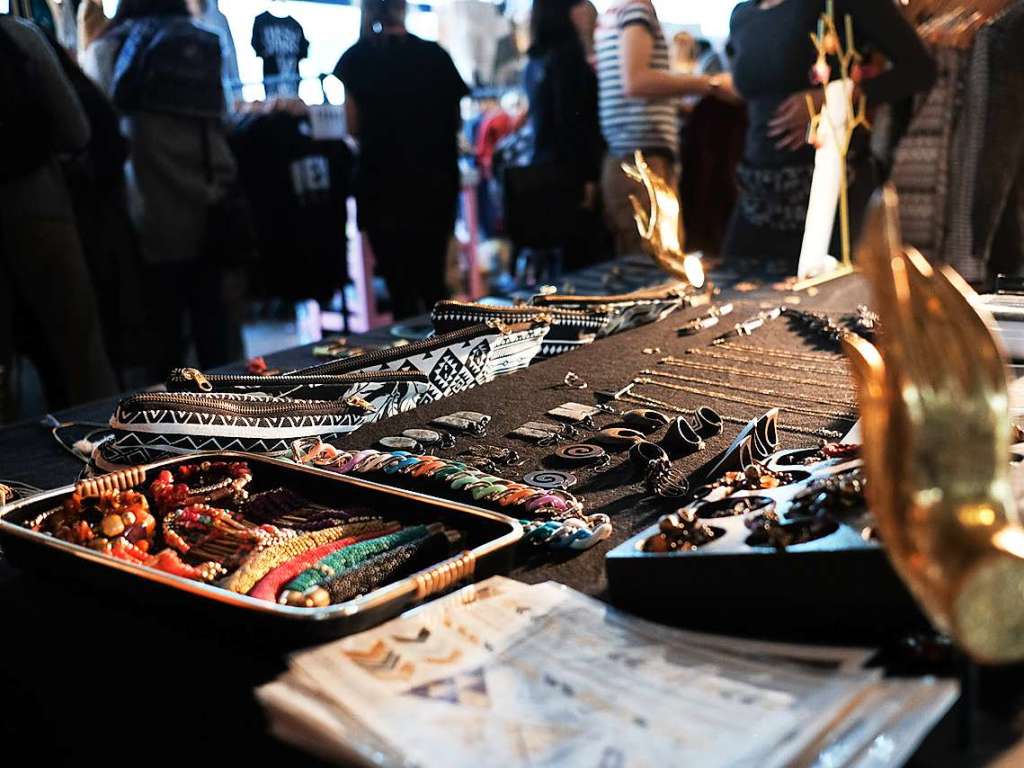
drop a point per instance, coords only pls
(813, 590)
(610, 485)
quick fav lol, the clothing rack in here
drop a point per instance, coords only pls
(955, 167)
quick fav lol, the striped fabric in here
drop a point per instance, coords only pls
(630, 124)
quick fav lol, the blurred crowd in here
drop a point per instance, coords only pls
(124, 232)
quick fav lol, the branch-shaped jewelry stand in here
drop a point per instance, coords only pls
(661, 230)
(836, 123)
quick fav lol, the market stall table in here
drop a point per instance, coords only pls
(87, 676)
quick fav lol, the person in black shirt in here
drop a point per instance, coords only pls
(281, 43)
(772, 56)
(562, 91)
(402, 99)
(561, 88)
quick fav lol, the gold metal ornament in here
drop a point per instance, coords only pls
(662, 229)
(936, 436)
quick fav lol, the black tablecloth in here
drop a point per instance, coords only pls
(86, 677)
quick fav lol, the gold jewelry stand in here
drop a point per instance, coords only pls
(827, 42)
(936, 439)
(662, 229)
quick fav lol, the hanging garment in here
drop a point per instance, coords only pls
(921, 161)
(282, 44)
(298, 188)
(997, 207)
(961, 164)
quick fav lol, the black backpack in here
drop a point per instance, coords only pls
(169, 64)
(25, 134)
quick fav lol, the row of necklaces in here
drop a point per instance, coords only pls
(756, 376)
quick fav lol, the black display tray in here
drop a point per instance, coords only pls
(836, 588)
(488, 549)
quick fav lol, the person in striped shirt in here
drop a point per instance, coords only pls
(637, 92)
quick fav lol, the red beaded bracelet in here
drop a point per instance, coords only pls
(170, 494)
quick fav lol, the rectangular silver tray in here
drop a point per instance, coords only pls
(490, 538)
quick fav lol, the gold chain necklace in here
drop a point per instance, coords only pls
(635, 399)
(749, 390)
(794, 354)
(734, 358)
(835, 415)
(680, 362)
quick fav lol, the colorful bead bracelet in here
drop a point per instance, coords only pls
(348, 557)
(557, 518)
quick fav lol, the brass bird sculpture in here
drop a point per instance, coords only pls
(936, 437)
(662, 229)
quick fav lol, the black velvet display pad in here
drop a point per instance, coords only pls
(610, 364)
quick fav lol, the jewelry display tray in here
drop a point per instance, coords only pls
(839, 588)
(488, 549)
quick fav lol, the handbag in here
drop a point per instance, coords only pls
(575, 320)
(264, 414)
(154, 425)
(456, 360)
(625, 311)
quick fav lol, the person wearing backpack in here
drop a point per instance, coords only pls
(163, 72)
(47, 303)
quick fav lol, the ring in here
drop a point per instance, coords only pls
(617, 437)
(709, 422)
(645, 419)
(682, 437)
(647, 456)
(574, 381)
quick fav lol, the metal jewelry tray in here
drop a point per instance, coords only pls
(837, 587)
(488, 549)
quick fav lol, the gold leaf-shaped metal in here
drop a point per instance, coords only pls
(936, 433)
(661, 229)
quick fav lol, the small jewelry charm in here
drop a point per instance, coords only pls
(550, 479)
(430, 438)
(709, 320)
(583, 455)
(575, 413)
(505, 456)
(400, 444)
(464, 421)
(574, 381)
(541, 432)
(681, 531)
